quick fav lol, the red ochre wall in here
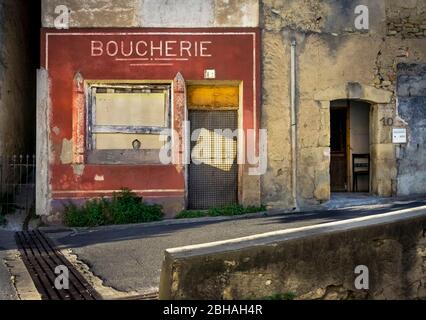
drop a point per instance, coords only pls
(233, 53)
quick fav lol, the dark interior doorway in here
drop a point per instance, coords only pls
(350, 166)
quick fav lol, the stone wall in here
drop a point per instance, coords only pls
(316, 262)
(412, 108)
(331, 56)
(17, 80)
(155, 13)
(406, 18)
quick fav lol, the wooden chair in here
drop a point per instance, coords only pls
(360, 167)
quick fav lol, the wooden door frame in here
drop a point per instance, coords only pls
(348, 147)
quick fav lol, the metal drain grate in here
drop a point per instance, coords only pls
(148, 296)
(41, 258)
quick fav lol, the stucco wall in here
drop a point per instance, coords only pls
(67, 58)
(16, 80)
(316, 262)
(155, 13)
(331, 53)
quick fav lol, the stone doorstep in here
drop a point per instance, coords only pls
(22, 282)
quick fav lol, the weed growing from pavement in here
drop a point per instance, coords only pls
(124, 207)
(230, 210)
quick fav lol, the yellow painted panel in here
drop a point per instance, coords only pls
(131, 109)
(213, 97)
(124, 141)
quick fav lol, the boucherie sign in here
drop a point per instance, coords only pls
(145, 49)
(195, 48)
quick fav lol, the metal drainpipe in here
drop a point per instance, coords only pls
(293, 122)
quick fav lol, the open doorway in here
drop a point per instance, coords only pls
(350, 146)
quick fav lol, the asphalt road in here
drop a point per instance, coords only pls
(130, 258)
(7, 243)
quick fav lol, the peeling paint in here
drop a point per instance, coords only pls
(156, 13)
(66, 152)
(56, 130)
(78, 169)
(99, 178)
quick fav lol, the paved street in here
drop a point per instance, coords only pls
(7, 243)
(130, 258)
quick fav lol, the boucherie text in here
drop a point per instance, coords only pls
(151, 48)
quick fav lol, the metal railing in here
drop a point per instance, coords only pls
(17, 184)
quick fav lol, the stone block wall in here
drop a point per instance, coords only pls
(317, 262)
(406, 18)
(331, 54)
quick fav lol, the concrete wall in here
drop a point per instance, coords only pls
(316, 262)
(43, 147)
(16, 80)
(412, 108)
(155, 13)
(334, 61)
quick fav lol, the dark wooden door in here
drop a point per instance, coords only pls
(339, 159)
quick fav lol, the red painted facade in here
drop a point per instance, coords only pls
(136, 54)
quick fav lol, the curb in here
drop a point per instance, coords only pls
(169, 222)
(264, 214)
(21, 278)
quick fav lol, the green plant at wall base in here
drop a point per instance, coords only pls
(191, 214)
(234, 210)
(230, 210)
(123, 208)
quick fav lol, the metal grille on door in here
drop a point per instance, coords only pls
(213, 172)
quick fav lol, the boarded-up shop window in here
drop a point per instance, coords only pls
(126, 122)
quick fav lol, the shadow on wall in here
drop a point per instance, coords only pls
(19, 60)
